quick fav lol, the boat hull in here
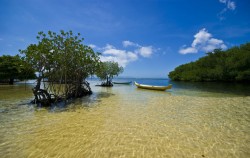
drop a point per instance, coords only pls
(122, 82)
(150, 87)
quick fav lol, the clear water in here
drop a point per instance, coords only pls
(190, 120)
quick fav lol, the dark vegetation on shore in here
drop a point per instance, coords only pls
(14, 67)
(232, 65)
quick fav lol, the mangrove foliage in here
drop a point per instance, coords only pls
(63, 63)
(230, 65)
(107, 71)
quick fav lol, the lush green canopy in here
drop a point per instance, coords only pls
(64, 61)
(230, 65)
(64, 53)
(107, 71)
(13, 67)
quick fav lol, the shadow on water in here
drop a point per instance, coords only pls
(181, 87)
(20, 94)
(153, 92)
(240, 89)
(86, 102)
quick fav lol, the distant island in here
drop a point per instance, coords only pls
(232, 65)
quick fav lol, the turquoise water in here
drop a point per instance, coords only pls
(190, 120)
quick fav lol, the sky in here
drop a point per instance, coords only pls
(149, 38)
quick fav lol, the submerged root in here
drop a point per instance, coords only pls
(106, 84)
(44, 98)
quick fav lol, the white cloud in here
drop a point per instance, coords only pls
(201, 37)
(115, 52)
(129, 43)
(145, 51)
(214, 41)
(132, 56)
(188, 50)
(123, 56)
(203, 41)
(108, 46)
(92, 46)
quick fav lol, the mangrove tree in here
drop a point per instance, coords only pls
(63, 63)
(107, 71)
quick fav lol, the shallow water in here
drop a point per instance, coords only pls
(126, 122)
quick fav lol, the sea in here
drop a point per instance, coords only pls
(193, 119)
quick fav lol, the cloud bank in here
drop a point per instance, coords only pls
(124, 56)
(203, 41)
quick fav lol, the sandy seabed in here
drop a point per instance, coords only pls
(131, 126)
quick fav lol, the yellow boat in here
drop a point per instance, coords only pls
(159, 88)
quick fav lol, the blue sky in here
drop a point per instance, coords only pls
(148, 37)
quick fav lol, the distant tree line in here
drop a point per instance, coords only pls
(230, 65)
(14, 67)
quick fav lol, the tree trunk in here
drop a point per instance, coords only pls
(41, 95)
